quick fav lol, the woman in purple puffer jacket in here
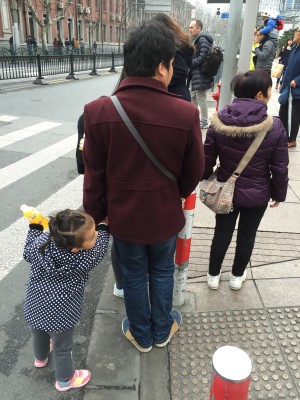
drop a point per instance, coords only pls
(231, 132)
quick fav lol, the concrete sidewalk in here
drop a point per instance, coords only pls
(263, 318)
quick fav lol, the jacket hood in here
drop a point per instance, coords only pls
(205, 35)
(243, 117)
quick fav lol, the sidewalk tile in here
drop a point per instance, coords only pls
(283, 292)
(289, 269)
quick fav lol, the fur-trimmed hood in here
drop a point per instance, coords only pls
(242, 118)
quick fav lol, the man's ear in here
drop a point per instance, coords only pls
(259, 96)
(160, 69)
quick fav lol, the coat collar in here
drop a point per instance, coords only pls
(144, 82)
(240, 131)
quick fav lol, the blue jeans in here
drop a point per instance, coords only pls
(148, 314)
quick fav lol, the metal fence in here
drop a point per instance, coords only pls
(13, 67)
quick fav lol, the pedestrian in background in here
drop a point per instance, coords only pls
(264, 53)
(143, 205)
(183, 57)
(82, 46)
(283, 57)
(67, 45)
(265, 177)
(200, 83)
(29, 45)
(11, 45)
(291, 79)
(95, 47)
(61, 260)
(255, 43)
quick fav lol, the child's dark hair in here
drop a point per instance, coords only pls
(248, 84)
(65, 229)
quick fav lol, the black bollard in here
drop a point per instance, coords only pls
(94, 71)
(113, 63)
(71, 74)
(39, 79)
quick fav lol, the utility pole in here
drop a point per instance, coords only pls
(251, 10)
(231, 50)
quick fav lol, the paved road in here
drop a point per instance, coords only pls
(37, 167)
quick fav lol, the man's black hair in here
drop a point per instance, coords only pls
(248, 84)
(146, 47)
(199, 24)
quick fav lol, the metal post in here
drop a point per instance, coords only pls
(183, 247)
(231, 50)
(112, 63)
(94, 71)
(39, 79)
(251, 9)
(230, 374)
(71, 74)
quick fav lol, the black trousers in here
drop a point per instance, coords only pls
(295, 123)
(247, 227)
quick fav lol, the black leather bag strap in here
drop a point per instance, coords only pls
(140, 141)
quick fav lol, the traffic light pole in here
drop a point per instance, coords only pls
(231, 50)
(251, 10)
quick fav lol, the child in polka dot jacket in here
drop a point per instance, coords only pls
(61, 259)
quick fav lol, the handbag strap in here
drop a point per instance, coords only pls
(250, 152)
(139, 139)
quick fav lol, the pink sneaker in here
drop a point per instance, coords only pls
(79, 379)
(40, 363)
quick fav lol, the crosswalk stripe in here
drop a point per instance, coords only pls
(70, 196)
(7, 118)
(27, 165)
(25, 133)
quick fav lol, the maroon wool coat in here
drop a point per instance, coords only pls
(142, 204)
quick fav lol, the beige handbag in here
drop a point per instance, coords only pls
(218, 196)
(277, 70)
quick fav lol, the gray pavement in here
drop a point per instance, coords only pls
(263, 318)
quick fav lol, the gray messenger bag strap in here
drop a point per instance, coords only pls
(139, 139)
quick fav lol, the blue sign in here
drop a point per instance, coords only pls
(224, 15)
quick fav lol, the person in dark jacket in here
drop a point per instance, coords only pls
(183, 57)
(283, 57)
(265, 52)
(200, 83)
(231, 133)
(291, 78)
(143, 205)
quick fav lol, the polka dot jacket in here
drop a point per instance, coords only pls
(55, 289)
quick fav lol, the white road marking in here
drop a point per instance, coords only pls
(25, 133)
(27, 165)
(12, 238)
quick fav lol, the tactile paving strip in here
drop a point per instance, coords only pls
(271, 338)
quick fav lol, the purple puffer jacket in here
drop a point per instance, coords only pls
(231, 132)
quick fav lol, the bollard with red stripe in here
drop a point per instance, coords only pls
(230, 374)
(183, 248)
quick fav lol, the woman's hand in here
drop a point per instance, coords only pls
(275, 204)
(293, 83)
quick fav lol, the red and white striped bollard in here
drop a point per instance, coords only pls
(183, 248)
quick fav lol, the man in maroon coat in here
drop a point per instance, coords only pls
(143, 205)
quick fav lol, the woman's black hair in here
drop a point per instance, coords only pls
(65, 228)
(248, 84)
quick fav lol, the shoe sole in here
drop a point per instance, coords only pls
(119, 295)
(60, 389)
(132, 340)
(171, 334)
(213, 287)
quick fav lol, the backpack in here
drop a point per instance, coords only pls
(80, 143)
(279, 23)
(212, 63)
